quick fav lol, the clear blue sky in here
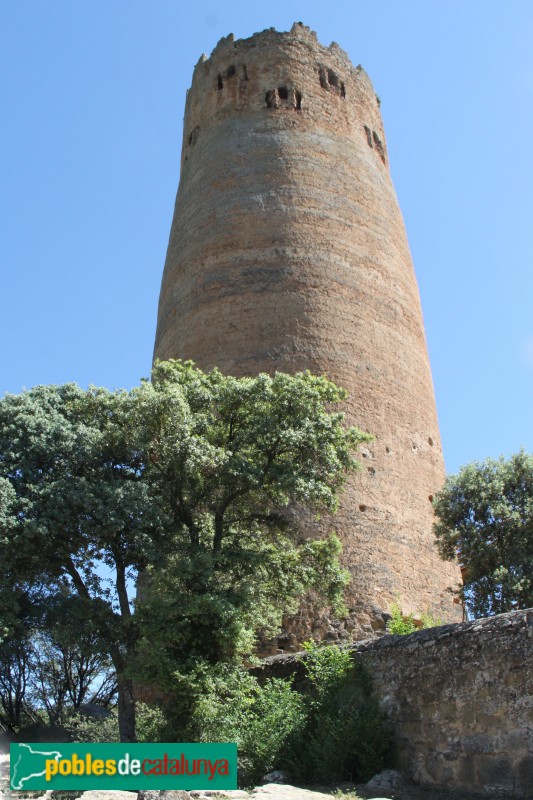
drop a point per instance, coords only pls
(92, 107)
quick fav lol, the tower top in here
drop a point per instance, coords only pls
(282, 72)
(298, 33)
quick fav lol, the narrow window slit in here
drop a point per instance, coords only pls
(270, 98)
(193, 136)
(283, 92)
(333, 78)
(379, 145)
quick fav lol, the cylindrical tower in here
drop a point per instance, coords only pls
(288, 252)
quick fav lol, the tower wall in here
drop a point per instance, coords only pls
(288, 252)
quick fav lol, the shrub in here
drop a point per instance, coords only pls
(402, 624)
(334, 730)
(151, 726)
(346, 735)
(262, 719)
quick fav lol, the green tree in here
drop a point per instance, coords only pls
(230, 458)
(15, 671)
(187, 480)
(68, 669)
(75, 501)
(485, 519)
(18, 617)
(45, 679)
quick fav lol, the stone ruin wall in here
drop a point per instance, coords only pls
(460, 700)
(288, 252)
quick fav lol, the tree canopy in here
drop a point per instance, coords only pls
(187, 480)
(485, 519)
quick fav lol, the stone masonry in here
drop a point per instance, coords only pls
(460, 701)
(288, 252)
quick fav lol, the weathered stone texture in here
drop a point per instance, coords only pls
(288, 252)
(460, 699)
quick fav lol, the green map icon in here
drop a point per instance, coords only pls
(30, 762)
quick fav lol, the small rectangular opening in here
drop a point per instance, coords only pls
(270, 98)
(333, 78)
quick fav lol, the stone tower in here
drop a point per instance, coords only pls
(288, 252)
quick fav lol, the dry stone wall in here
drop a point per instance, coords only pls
(288, 252)
(460, 700)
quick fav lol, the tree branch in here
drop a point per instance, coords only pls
(122, 592)
(77, 580)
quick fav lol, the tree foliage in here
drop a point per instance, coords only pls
(485, 519)
(346, 735)
(333, 730)
(45, 681)
(263, 718)
(403, 624)
(229, 457)
(74, 503)
(187, 480)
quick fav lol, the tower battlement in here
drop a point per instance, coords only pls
(288, 252)
(282, 71)
(299, 34)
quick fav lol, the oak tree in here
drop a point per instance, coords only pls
(485, 519)
(188, 481)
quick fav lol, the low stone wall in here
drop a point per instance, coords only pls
(460, 699)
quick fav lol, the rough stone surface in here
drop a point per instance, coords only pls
(236, 794)
(110, 795)
(387, 780)
(277, 776)
(288, 252)
(460, 700)
(232, 794)
(168, 794)
(4, 772)
(280, 791)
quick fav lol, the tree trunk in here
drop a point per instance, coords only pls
(126, 710)
(126, 703)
